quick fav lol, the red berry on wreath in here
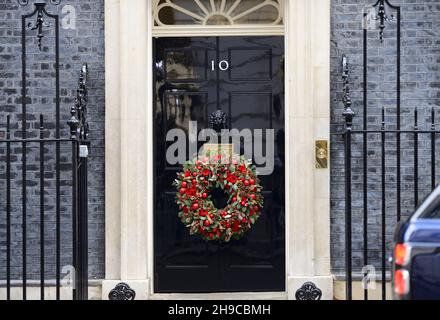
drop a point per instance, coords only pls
(195, 206)
(244, 220)
(243, 203)
(184, 184)
(252, 181)
(253, 196)
(234, 199)
(194, 174)
(232, 179)
(187, 173)
(246, 183)
(206, 172)
(204, 195)
(182, 190)
(207, 223)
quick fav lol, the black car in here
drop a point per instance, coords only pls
(416, 258)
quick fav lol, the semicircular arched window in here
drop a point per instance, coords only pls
(217, 12)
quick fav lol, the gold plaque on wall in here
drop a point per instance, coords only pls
(321, 154)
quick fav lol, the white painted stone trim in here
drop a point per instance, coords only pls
(129, 156)
(127, 82)
(308, 104)
(207, 31)
(112, 142)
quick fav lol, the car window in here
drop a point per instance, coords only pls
(431, 214)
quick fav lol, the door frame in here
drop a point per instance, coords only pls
(220, 43)
(129, 145)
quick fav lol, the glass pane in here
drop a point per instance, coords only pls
(431, 214)
(217, 12)
(185, 64)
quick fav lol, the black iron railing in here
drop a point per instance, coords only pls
(390, 136)
(48, 167)
(79, 152)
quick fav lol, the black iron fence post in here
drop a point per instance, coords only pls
(8, 208)
(75, 253)
(348, 116)
(433, 149)
(348, 220)
(384, 207)
(82, 238)
(80, 144)
(416, 159)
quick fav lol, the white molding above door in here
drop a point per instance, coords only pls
(213, 31)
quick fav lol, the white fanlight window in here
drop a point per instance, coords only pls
(201, 16)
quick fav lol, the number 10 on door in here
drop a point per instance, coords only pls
(222, 65)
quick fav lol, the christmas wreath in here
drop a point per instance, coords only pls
(237, 177)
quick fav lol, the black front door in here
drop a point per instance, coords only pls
(243, 76)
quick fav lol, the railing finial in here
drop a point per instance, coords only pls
(348, 112)
(79, 127)
(383, 17)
